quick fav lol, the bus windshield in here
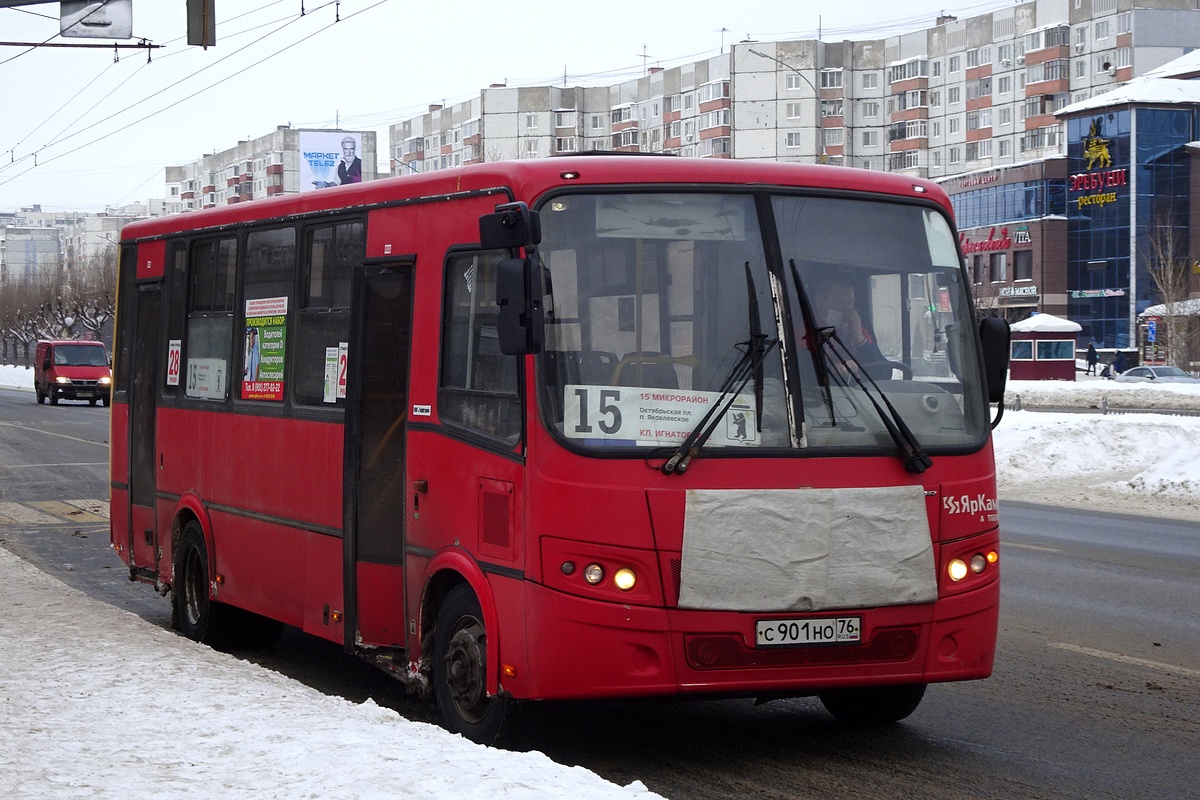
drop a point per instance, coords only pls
(653, 299)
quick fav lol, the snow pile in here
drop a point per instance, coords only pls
(1158, 451)
(99, 703)
(1091, 392)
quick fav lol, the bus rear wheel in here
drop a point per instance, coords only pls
(873, 705)
(460, 671)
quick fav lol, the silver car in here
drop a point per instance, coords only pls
(1155, 375)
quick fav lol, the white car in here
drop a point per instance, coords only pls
(1155, 375)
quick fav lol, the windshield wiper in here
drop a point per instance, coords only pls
(814, 346)
(739, 375)
(915, 458)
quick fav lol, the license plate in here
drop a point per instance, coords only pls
(799, 632)
(85, 394)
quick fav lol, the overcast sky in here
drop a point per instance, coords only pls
(80, 132)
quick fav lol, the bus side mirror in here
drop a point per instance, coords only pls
(519, 328)
(994, 336)
(512, 226)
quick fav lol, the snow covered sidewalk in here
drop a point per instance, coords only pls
(96, 702)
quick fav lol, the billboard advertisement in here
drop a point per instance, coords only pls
(329, 158)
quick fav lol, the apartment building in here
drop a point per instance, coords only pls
(958, 96)
(981, 104)
(287, 160)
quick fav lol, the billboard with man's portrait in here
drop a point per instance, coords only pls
(329, 158)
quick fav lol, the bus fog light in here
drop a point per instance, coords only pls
(624, 579)
(593, 574)
(978, 563)
(957, 570)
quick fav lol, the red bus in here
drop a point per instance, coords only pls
(571, 428)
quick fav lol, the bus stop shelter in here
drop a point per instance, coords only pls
(1043, 349)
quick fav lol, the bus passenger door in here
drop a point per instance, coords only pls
(143, 451)
(376, 412)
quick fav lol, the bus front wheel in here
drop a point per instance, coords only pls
(460, 671)
(195, 615)
(873, 705)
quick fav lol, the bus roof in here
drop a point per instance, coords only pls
(529, 178)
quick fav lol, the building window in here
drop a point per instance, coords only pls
(1056, 350)
(795, 82)
(1022, 350)
(793, 139)
(870, 80)
(713, 91)
(952, 95)
(955, 64)
(937, 69)
(935, 98)
(1102, 29)
(833, 137)
(714, 119)
(998, 267)
(1125, 22)
(831, 79)
(1124, 57)
(793, 110)
(953, 125)
(1005, 116)
(1005, 148)
(1023, 265)
(955, 155)
(870, 138)
(831, 108)
(564, 119)
(531, 122)
(870, 110)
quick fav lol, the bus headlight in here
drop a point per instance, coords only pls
(625, 579)
(593, 574)
(61, 379)
(957, 570)
(104, 381)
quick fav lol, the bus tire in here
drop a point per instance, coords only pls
(195, 614)
(41, 398)
(53, 397)
(873, 705)
(460, 671)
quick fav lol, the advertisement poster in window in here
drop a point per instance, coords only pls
(329, 158)
(265, 349)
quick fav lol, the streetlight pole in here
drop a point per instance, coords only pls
(818, 131)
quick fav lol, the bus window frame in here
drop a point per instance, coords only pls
(472, 435)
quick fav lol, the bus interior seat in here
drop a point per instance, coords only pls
(646, 369)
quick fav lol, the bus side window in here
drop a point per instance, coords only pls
(322, 320)
(176, 316)
(479, 385)
(207, 358)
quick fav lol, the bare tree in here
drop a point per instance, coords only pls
(95, 291)
(1166, 257)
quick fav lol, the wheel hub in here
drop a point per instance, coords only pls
(466, 670)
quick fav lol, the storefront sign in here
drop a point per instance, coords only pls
(979, 180)
(1021, 237)
(1018, 291)
(1103, 182)
(987, 245)
(1088, 294)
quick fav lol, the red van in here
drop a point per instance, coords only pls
(73, 370)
